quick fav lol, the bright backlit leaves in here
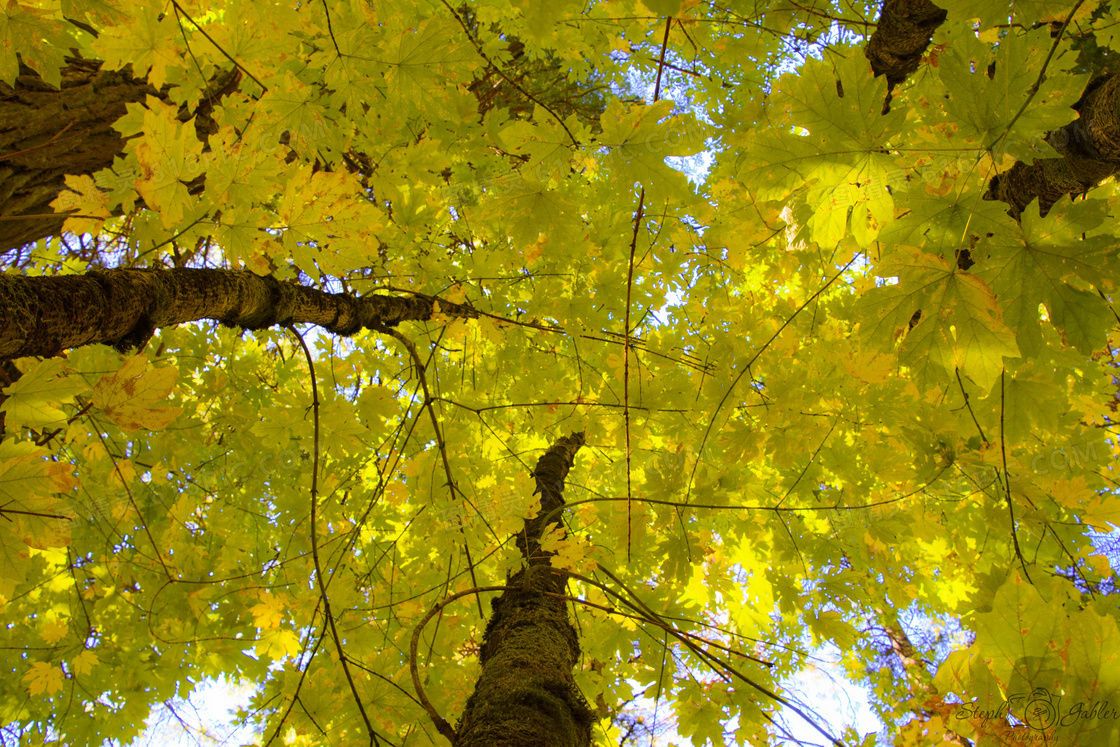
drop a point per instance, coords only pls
(946, 318)
(795, 454)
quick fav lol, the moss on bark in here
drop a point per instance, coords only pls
(526, 695)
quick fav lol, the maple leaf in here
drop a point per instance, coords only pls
(43, 678)
(86, 199)
(34, 401)
(864, 410)
(959, 325)
(268, 613)
(127, 396)
(278, 643)
(148, 42)
(84, 662)
(36, 34)
(169, 155)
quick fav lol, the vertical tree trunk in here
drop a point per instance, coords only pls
(526, 695)
(9, 375)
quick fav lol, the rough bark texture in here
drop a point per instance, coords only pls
(1090, 148)
(526, 695)
(903, 33)
(45, 315)
(46, 133)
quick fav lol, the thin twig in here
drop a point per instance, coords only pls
(626, 354)
(315, 540)
(526, 94)
(440, 722)
(421, 371)
(202, 31)
(1007, 483)
(1041, 76)
(53, 141)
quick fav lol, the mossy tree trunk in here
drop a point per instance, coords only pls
(526, 695)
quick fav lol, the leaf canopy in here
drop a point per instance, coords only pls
(828, 386)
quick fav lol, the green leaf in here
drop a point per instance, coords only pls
(959, 325)
(35, 399)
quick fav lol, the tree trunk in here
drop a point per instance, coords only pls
(46, 134)
(904, 30)
(1090, 148)
(1090, 145)
(914, 666)
(45, 315)
(526, 695)
(9, 375)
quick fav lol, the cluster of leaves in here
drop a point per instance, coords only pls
(826, 385)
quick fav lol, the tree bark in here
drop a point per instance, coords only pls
(914, 666)
(526, 695)
(902, 36)
(43, 316)
(1090, 148)
(1090, 145)
(46, 133)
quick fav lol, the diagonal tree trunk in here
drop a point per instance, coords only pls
(913, 666)
(45, 315)
(1090, 148)
(48, 133)
(526, 695)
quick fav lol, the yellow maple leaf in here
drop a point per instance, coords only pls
(53, 631)
(127, 396)
(84, 662)
(1102, 510)
(35, 399)
(147, 43)
(123, 473)
(84, 199)
(279, 643)
(34, 517)
(169, 154)
(268, 613)
(569, 553)
(869, 366)
(43, 677)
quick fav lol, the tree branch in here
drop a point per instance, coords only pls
(42, 316)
